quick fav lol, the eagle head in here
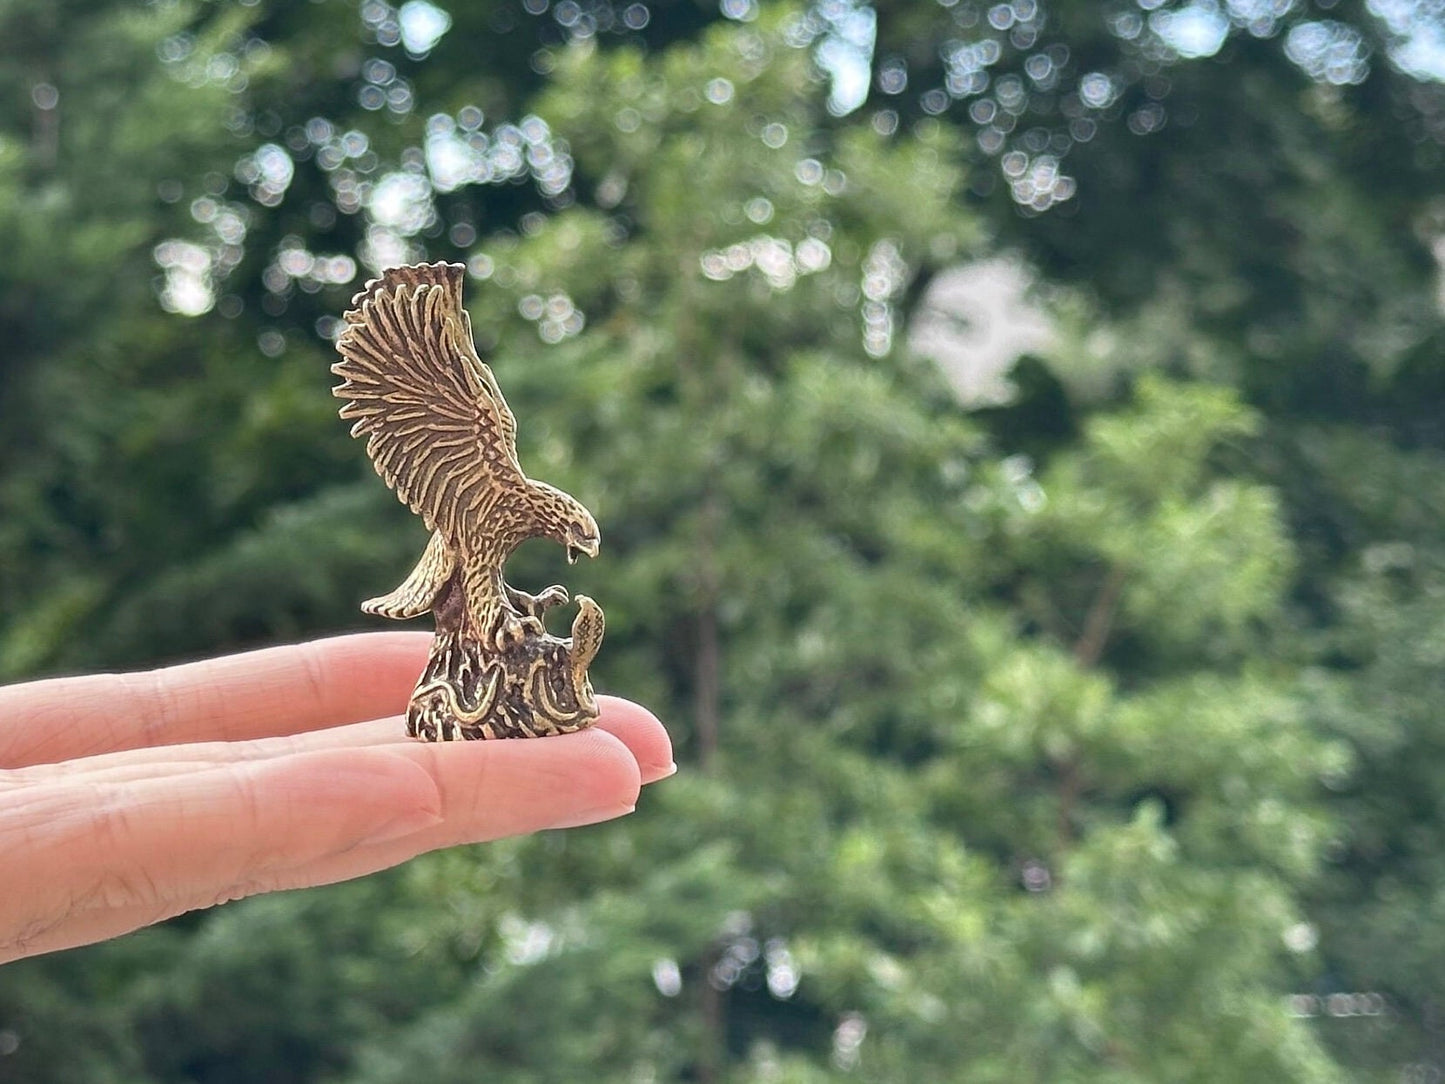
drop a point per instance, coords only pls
(581, 535)
(562, 518)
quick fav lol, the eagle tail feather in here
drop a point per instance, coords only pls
(420, 590)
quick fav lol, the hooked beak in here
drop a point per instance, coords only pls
(575, 550)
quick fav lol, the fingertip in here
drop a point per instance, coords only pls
(492, 789)
(606, 768)
(617, 707)
(643, 734)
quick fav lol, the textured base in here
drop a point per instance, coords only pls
(469, 691)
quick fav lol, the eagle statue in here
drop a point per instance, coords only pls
(441, 435)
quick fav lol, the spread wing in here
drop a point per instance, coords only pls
(435, 423)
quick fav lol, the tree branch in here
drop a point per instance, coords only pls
(1089, 647)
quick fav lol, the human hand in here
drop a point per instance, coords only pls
(126, 799)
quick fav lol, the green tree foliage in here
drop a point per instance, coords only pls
(1266, 171)
(1063, 741)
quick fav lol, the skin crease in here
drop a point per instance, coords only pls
(126, 799)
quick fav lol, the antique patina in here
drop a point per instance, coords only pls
(441, 435)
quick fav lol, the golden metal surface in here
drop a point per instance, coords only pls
(441, 435)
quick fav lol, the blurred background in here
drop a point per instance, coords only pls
(1017, 434)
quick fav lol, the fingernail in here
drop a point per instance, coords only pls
(595, 816)
(403, 825)
(656, 775)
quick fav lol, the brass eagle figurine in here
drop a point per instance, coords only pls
(441, 435)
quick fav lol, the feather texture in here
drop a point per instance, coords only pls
(436, 425)
(418, 593)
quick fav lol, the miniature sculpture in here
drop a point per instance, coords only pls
(440, 434)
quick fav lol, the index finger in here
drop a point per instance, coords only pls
(258, 694)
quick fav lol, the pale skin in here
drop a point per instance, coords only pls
(127, 799)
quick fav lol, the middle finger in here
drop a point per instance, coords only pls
(632, 724)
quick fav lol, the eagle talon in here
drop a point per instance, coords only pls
(537, 605)
(515, 630)
(556, 595)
